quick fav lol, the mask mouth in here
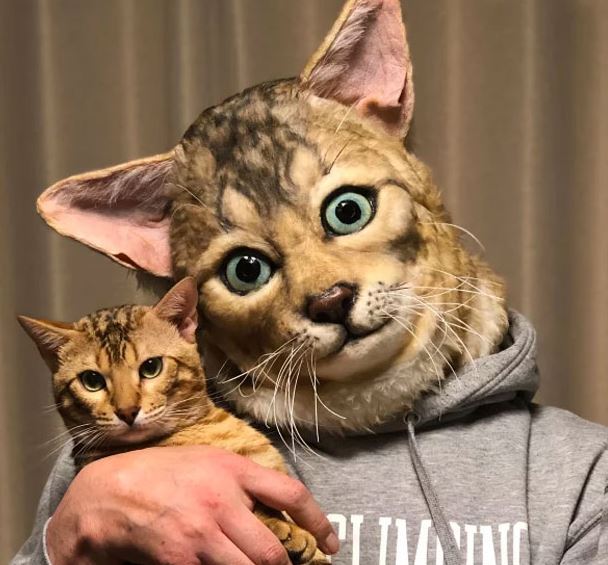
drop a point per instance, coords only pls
(354, 341)
(352, 336)
(362, 354)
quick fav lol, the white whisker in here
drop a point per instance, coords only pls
(464, 230)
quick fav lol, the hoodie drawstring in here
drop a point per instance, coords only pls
(451, 551)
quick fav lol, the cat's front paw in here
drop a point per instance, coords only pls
(319, 559)
(300, 545)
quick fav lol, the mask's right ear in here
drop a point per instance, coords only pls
(122, 211)
(48, 336)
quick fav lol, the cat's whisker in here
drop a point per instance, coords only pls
(300, 359)
(440, 318)
(460, 228)
(96, 441)
(83, 447)
(409, 328)
(74, 438)
(262, 363)
(466, 278)
(284, 375)
(410, 286)
(467, 281)
(456, 322)
(62, 434)
(295, 432)
(346, 114)
(186, 189)
(455, 305)
(237, 387)
(437, 348)
(273, 406)
(177, 208)
(464, 326)
(50, 408)
(448, 290)
(314, 381)
(57, 449)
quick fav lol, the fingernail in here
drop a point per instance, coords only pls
(331, 543)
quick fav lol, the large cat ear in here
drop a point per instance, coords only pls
(48, 336)
(364, 62)
(122, 211)
(178, 306)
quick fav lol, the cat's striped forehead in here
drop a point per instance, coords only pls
(243, 145)
(111, 329)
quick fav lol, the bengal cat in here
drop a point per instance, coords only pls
(130, 377)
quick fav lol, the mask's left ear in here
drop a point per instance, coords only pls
(122, 211)
(365, 62)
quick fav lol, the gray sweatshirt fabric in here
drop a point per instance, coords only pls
(476, 474)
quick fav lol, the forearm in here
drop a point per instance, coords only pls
(173, 505)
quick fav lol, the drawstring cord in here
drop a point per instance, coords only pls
(451, 551)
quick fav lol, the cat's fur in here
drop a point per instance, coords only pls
(170, 409)
(254, 172)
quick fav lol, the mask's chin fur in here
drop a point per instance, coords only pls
(342, 405)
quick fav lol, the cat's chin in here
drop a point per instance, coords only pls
(365, 355)
(139, 433)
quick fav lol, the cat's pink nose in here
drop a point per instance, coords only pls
(331, 306)
(128, 415)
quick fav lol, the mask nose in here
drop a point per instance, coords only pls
(331, 306)
(128, 415)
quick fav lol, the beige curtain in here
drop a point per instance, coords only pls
(512, 113)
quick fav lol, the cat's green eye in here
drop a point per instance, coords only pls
(92, 380)
(151, 368)
(348, 210)
(246, 271)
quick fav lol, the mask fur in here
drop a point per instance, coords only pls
(349, 328)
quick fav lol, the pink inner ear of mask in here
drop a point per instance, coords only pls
(368, 65)
(378, 67)
(138, 239)
(120, 211)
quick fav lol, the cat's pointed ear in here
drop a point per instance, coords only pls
(178, 306)
(48, 336)
(122, 211)
(364, 62)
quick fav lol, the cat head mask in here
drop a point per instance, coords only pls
(315, 238)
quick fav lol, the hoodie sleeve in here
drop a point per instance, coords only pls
(588, 534)
(33, 551)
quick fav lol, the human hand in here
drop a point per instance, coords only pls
(178, 505)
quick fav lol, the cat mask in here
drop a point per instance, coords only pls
(319, 244)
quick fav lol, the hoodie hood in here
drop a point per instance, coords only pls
(497, 378)
(502, 376)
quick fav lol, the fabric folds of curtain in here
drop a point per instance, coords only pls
(512, 114)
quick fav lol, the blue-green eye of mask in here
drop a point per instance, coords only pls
(247, 271)
(348, 210)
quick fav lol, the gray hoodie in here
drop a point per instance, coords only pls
(476, 474)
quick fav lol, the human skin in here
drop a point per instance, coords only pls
(178, 505)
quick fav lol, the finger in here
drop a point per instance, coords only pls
(281, 492)
(254, 539)
(223, 552)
